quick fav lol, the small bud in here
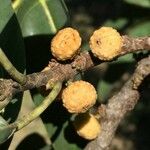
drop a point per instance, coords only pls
(79, 96)
(106, 43)
(65, 44)
(87, 126)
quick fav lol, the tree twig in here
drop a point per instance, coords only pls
(119, 105)
(61, 72)
(131, 45)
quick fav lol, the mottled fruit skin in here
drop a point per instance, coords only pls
(106, 43)
(79, 96)
(87, 126)
(66, 44)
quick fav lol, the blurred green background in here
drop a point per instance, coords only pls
(25, 35)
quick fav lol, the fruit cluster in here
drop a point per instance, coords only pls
(79, 96)
(105, 43)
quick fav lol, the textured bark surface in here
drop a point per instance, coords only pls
(56, 72)
(131, 45)
(118, 106)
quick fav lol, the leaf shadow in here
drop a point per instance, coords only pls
(57, 115)
(72, 137)
(33, 141)
(11, 41)
(37, 52)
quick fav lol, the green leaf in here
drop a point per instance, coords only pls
(142, 3)
(5, 13)
(3, 122)
(5, 130)
(11, 40)
(128, 58)
(35, 128)
(66, 137)
(117, 24)
(59, 127)
(12, 43)
(121, 66)
(103, 90)
(141, 29)
(38, 17)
